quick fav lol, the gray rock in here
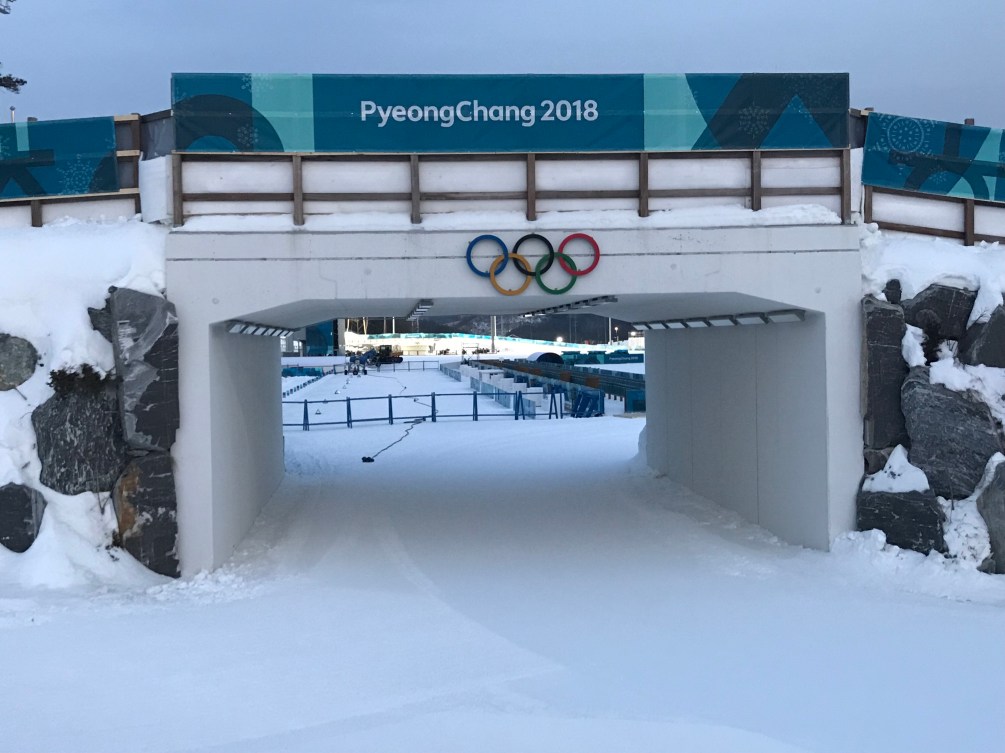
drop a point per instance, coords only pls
(145, 343)
(910, 520)
(984, 344)
(20, 516)
(101, 320)
(952, 306)
(79, 440)
(991, 506)
(952, 434)
(146, 509)
(883, 373)
(18, 359)
(875, 460)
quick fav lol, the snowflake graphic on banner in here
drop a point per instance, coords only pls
(75, 176)
(753, 120)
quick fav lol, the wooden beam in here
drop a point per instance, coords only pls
(968, 222)
(36, 213)
(921, 229)
(867, 203)
(413, 169)
(755, 180)
(298, 190)
(643, 184)
(846, 186)
(178, 203)
(531, 188)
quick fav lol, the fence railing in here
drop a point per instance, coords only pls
(431, 406)
(651, 185)
(970, 215)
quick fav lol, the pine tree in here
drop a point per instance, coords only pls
(11, 83)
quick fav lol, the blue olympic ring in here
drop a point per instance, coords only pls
(487, 237)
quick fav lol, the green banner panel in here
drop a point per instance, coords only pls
(746, 111)
(931, 156)
(57, 158)
(509, 113)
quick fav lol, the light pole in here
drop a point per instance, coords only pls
(615, 334)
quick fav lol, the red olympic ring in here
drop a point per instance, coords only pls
(596, 255)
(537, 270)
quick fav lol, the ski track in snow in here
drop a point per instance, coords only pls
(508, 585)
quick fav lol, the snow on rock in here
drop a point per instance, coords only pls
(912, 349)
(898, 475)
(918, 262)
(73, 549)
(49, 277)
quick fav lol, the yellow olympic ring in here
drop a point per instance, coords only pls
(497, 262)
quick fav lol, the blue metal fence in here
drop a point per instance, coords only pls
(517, 407)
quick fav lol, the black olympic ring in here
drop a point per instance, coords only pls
(537, 270)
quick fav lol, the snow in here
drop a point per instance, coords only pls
(897, 476)
(918, 262)
(715, 216)
(495, 585)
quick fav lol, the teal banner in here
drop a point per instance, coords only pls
(57, 158)
(931, 156)
(546, 113)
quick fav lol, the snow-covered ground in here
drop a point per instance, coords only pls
(507, 585)
(492, 586)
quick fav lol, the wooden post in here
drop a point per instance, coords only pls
(643, 184)
(178, 211)
(531, 188)
(298, 190)
(755, 180)
(968, 222)
(845, 186)
(867, 203)
(414, 171)
(36, 213)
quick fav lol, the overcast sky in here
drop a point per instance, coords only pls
(926, 58)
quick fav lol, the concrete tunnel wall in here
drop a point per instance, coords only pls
(739, 415)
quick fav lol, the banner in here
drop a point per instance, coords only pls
(58, 158)
(508, 113)
(931, 156)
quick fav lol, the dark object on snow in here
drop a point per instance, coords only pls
(892, 291)
(910, 520)
(984, 344)
(952, 434)
(546, 357)
(951, 305)
(367, 459)
(883, 373)
(20, 516)
(146, 508)
(79, 440)
(146, 360)
(931, 326)
(991, 506)
(18, 359)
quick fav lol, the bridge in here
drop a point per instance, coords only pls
(747, 289)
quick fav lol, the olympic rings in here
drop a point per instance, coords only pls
(479, 239)
(497, 264)
(551, 254)
(596, 254)
(535, 271)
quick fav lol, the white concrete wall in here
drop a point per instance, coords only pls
(229, 448)
(741, 416)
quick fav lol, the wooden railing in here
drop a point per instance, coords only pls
(968, 211)
(643, 195)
